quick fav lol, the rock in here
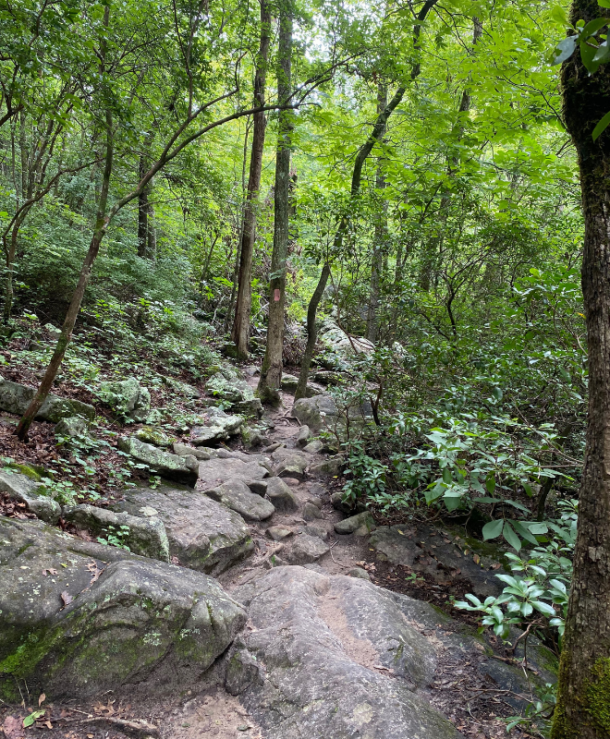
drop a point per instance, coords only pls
(338, 503)
(52, 330)
(252, 437)
(310, 665)
(311, 512)
(281, 495)
(182, 450)
(249, 407)
(302, 437)
(217, 471)
(15, 398)
(203, 534)
(289, 383)
(142, 535)
(236, 495)
(290, 463)
(317, 529)
(326, 377)
(308, 548)
(359, 572)
(88, 627)
(318, 490)
(425, 549)
(169, 466)
(272, 447)
(71, 427)
(278, 533)
(154, 436)
(314, 447)
(351, 524)
(316, 412)
(233, 390)
(22, 488)
(182, 388)
(216, 425)
(329, 467)
(259, 487)
(127, 398)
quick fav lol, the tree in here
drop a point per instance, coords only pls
(271, 370)
(241, 325)
(583, 708)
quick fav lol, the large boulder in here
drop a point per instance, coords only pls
(317, 413)
(33, 494)
(290, 462)
(331, 657)
(184, 470)
(143, 535)
(127, 398)
(15, 398)
(215, 425)
(215, 472)
(75, 625)
(236, 495)
(203, 534)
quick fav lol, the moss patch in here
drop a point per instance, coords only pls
(598, 695)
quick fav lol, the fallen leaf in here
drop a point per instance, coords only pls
(31, 719)
(48, 724)
(13, 728)
(42, 699)
(49, 571)
(67, 598)
(476, 559)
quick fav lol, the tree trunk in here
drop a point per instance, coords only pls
(312, 332)
(143, 213)
(271, 370)
(583, 708)
(380, 238)
(241, 325)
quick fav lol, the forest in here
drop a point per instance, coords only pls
(338, 263)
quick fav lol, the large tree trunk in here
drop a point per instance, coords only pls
(241, 325)
(271, 370)
(312, 332)
(143, 209)
(381, 236)
(583, 708)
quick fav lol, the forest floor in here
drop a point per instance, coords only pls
(476, 705)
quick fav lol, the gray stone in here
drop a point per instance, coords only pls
(15, 398)
(317, 529)
(144, 535)
(203, 534)
(351, 524)
(303, 436)
(216, 425)
(170, 466)
(317, 413)
(359, 572)
(237, 496)
(326, 377)
(232, 390)
(127, 398)
(154, 436)
(249, 407)
(71, 427)
(272, 447)
(217, 471)
(308, 548)
(182, 450)
(311, 512)
(428, 550)
(20, 487)
(281, 495)
(290, 463)
(182, 388)
(317, 490)
(252, 437)
(289, 383)
(314, 447)
(259, 487)
(316, 501)
(310, 665)
(328, 468)
(90, 626)
(278, 533)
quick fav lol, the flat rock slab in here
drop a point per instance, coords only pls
(215, 472)
(331, 657)
(307, 549)
(21, 488)
(281, 495)
(170, 466)
(204, 535)
(15, 398)
(75, 625)
(215, 425)
(237, 496)
(290, 463)
(317, 412)
(427, 549)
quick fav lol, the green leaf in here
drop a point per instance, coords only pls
(493, 529)
(559, 14)
(537, 528)
(565, 49)
(604, 3)
(490, 484)
(593, 27)
(511, 537)
(544, 608)
(602, 55)
(587, 54)
(452, 502)
(447, 477)
(601, 126)
(433, 492)
(522, 530)
(31, 719)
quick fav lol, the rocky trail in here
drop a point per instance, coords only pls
(249, 604)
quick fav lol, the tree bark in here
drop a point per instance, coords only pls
(312, 332)
(143, 213)
(271, 370)
(243, 306)
(583, 708)
(380, 238)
